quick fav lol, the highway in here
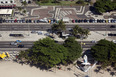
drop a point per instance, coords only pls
(28, 44)
(44, 27)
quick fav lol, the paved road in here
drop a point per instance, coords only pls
(28, 44)
(26, 27)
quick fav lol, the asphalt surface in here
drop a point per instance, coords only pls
(28, 44)
(44, 27)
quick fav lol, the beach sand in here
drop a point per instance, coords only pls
(13, 69)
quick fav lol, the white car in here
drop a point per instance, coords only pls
(13, 43)
(114, 41)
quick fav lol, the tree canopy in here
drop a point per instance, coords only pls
(80, 31)
(74, 49)
(60, 26)
(102, 6)
(105, 52)
(47, 53)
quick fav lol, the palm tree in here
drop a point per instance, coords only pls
(80, 31)
(24, 3)
(59, 27)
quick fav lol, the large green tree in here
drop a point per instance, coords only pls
(80, 31)
(105, 52)
(102, 6)
(60, 26)
(47, 53)
(74, 49)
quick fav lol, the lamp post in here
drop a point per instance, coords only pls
(28, 29)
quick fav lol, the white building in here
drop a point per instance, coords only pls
(5, 11)
(7, 3)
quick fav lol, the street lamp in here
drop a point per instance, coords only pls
(28, 29)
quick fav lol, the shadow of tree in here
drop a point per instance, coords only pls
(112, 73)
(96, 70)
(108, 69)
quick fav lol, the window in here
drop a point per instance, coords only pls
(1, 2)
(6, 2)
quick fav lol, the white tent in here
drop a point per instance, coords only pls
(65, 19)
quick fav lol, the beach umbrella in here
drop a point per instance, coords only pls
(18, 41)
(7, 54)
(3, 55)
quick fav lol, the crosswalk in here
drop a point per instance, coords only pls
(66, 11)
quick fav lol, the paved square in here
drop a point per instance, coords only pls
(42, 12)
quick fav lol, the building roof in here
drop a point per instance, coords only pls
(6, 1)
(5, 11)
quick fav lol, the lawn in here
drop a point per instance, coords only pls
(64, 3)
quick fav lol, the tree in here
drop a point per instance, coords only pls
(74, 49)
(24, 11)
(79, 31)
(102, 6)
(47, 53)
(80, 2)
(24, 3)
(59, 27)
(105, 52)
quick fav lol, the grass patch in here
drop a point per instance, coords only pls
(12, 13)
(64, 3)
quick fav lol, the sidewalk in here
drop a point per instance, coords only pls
(28, 36)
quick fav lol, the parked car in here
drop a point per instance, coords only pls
(39, 33)
(33, 31)
(30, 21)
(114, 41)
(47, 34)
(27, 21)
(16, 35)
(23, 21)
(37, 21)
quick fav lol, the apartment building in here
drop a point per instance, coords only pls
(7, 4)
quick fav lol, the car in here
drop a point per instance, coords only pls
(13, 43)
(35, 21)
(23, 21)
(39, 33)
(12, 21)
(21, 46)
(30, 21)
(27, 21)
(47, 34)
(112, 26)
(33, 31)
(16, 35)
(114, 41)
(38, 21)
(93, 41)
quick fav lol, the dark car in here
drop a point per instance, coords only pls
(20, 46)
(112, 26)
(16, 35)
(30, 21)
(27, 21)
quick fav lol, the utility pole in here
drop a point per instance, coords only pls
(28, 29)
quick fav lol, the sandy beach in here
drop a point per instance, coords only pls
(13, 69)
